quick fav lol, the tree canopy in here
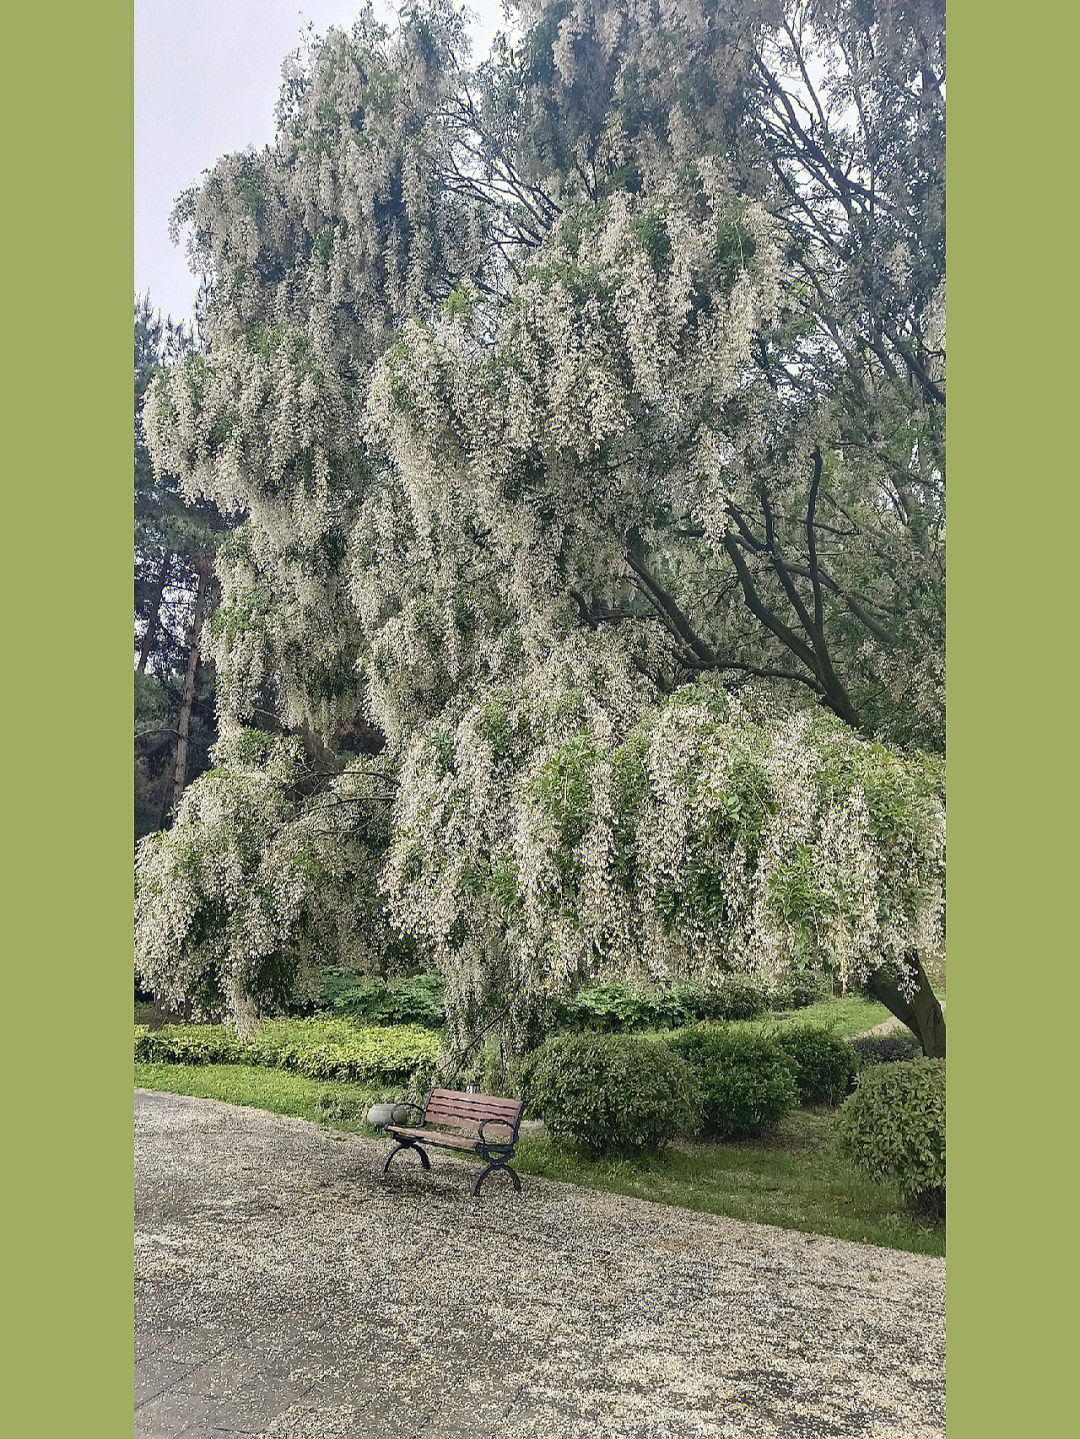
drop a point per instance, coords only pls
(607, 373)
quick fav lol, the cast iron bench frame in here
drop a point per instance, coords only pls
(463, 1119)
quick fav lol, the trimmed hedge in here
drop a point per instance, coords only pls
(747, 1079)
(188, 1044)
(825, 1064)
(318, 1048)
(893, 1127)
(611, 1094)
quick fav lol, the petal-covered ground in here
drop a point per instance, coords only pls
(285, 1288)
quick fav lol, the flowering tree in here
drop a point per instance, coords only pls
(619, 360)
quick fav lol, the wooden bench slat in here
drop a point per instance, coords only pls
(474, 1098)
(474, 1115)
(497, 1130)
(447, 1121)
(433, 1136)
(477, 1113)
(508, 1110)
(467, 1101)
(472, 1107)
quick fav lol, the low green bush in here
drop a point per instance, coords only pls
(187, 1044)
(620, 1008)
(417, 999)
(611, 1094)
(893, 1127)
(747, 1079)
(737, 998)
(825, 1064)
(604, 1008)
(331, 1048)
(886, 1048)
(339, 1048)
(799, 991)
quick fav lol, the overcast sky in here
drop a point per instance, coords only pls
(206, 81)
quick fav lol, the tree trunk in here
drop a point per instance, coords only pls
(921, 1013)
(154, 618)
(183, 724)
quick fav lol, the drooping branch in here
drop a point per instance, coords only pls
(814, 657)
(757, 607)
(595, 614)
(677, 620)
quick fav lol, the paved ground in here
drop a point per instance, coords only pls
(887, 1026)
(284, 1288)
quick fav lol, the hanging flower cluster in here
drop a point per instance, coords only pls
(254, 889)
(557, 832)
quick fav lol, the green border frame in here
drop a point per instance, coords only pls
(1014, 995)
(1014, 991)
(66, 907)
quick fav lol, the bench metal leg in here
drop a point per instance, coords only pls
(503, 1164)
(405, 1144)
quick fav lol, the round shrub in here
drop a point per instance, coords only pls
(747, 1080)
(825, 1064)
(893, 1127)
(799, 991)
(737, 998)
(611, 1094)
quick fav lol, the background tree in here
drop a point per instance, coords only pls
(620, 356)
(174, 586)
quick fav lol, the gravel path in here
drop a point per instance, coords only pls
(284, 1288)
(887, 1026)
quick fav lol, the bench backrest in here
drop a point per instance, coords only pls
(454, 1110)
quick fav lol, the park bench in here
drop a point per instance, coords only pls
(480, 1124)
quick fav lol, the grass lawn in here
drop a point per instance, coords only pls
(845, 1014)
(790, 1178)
(340, 1105)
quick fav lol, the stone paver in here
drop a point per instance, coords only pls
(284, 1288)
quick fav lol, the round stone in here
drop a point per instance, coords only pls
(382, 1114)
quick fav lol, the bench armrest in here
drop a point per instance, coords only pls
(410, 1104)
(506, 1143)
